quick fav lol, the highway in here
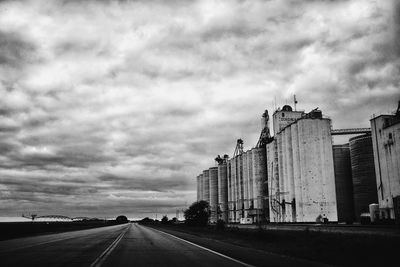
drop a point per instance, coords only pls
(132, 245)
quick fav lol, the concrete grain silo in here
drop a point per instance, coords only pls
(213, 176)
(250, 183)
(363, 172)
(223, 190)
(343, 183)
(273, 182)
(231, 196)
(245, 178)
(239, 188)
(201, 179)
(260, 183)
(198, 188)
(206, 184)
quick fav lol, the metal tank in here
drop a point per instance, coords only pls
(223, 190)
(343, 183)
(213, 176)
(363, 172)
(206, 184)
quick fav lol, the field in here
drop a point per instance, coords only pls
(348, 248)
(9, 230)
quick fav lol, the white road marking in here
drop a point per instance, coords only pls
(100, 260)
(207, 249)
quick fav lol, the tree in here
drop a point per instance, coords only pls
(121, 219)
(198, 213)
(146, 220)
(164, 219)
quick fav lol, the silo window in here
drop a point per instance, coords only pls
(283, 115)
(390, 136)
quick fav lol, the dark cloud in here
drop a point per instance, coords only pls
(15, 51)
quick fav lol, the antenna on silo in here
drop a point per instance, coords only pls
(295, 102)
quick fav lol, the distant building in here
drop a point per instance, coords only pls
(386, 145)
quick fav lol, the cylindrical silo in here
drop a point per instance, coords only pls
(250, 183)
(213, 176)
(198, 187)
(231, 192)
(363, 172)
(261, 188)
(223, 190)
(343, 183)
(201, 186)
(239, 188)
(245, 178)
(206, 183)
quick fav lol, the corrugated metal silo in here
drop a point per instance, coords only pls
(363, 172)
(343, 183)
(206, 183)
(223, 190)
(213, 176)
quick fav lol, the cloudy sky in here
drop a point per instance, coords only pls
(113, 107)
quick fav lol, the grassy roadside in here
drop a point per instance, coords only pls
(10, 230)
(331, 248)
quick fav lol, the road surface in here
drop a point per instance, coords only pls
(132, 245)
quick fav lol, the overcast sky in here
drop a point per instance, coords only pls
(111, 108)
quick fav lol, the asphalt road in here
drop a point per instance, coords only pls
(131, 245)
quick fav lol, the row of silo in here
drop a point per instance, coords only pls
(203, 186)
(237, 188)
(247, 187)
(308, 179)
(212, 187)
